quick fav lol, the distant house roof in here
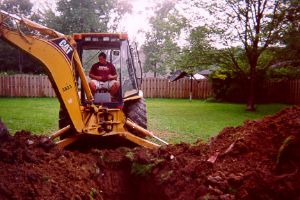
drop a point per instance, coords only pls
(177, 75)
(199, 76)
(205, 72)
(181, 74)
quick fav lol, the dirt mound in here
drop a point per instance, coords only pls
(259, 160)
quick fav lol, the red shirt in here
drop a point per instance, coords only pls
(103, 70)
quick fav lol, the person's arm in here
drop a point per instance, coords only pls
(112, 77)
(93, 76)
(113, 73)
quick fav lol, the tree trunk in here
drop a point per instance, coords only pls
(251, 97)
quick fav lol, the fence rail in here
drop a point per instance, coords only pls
(40, 86)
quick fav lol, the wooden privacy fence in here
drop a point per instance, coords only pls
(162, 88)
(294, 91)
(26, 86)
(282, 92)
(40, 86)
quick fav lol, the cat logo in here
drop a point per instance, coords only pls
(66, 47)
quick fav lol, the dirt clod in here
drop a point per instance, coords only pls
(259, 160)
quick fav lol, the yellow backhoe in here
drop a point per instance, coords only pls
(65, 59)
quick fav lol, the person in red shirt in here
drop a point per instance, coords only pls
(103, 75)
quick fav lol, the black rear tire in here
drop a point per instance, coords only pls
(136, 111)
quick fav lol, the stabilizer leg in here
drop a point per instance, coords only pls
(139, 141)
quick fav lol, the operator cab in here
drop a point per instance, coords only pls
(119, 53)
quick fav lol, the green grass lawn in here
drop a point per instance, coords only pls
(174, 120)
(37, 115)
(181, 120)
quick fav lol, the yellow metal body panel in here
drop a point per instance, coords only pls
(59, 71)
(99, 120)
(84, 82)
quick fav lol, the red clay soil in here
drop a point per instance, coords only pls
(259, 160)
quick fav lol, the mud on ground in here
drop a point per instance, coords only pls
(259, 160)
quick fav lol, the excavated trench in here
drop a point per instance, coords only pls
(259, 160)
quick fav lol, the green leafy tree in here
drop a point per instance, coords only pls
(11, 58)
(290, 37)
(199, 54)
(121, 8)
(256, 25)
(153, 60)
(20, 7)
(161, 49)
(73, 16)
(229, 81)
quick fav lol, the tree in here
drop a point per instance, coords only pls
(290, 37)
(199, 54)
(22, 7)
(11, 58)
(73, 16)
(256, 24)
(152, 53)
(161, 49)
(229, 80)
(121, 7)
